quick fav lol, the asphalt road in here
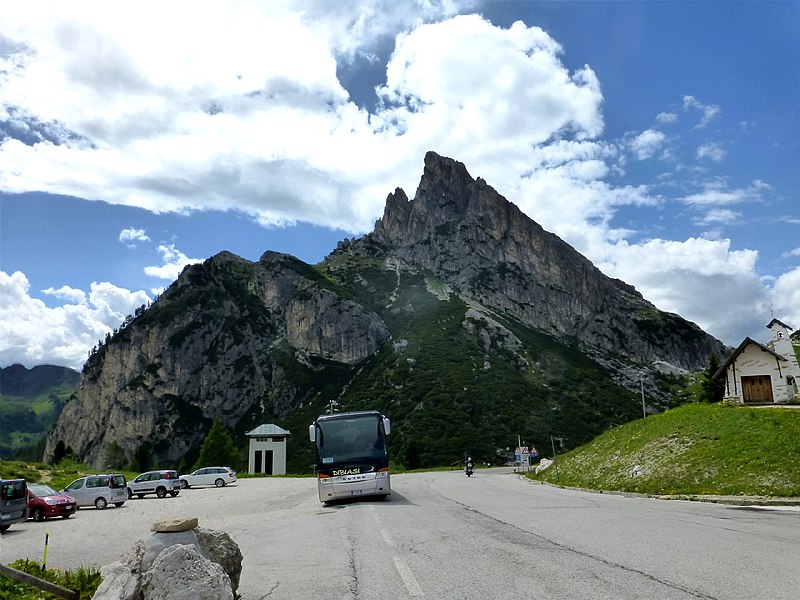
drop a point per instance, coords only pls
(443, 535)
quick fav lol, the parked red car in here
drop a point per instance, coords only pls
(44, 502)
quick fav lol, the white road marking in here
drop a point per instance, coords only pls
(402, 567)
(386, 538)
(408, 577)
(374, 514)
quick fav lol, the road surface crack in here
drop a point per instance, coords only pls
(272, 589)
(350, 548)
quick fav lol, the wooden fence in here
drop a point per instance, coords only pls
(51, 588)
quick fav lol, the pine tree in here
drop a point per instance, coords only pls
(218, 448)
(711, 390)
(115, 457)
(142, 459)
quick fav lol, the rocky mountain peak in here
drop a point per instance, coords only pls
(464, 231)
(446, 194)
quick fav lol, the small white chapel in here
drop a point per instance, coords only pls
(763, 373)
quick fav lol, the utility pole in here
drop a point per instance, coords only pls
(641, 386)
(555, 458)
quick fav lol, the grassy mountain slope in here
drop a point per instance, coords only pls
(694, 449)
(30, 402)
(453, 383)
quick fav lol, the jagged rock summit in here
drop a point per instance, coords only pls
(464, 231)
(456, 299)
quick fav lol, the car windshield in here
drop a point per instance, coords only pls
(42, 490)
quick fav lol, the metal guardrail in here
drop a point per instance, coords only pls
(29, 579)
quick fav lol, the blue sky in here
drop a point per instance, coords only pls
(660, 139)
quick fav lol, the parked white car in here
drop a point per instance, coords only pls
(218, 476)
(159, 483)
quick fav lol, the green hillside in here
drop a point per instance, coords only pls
(693, 449)
(28, 420)
(30, 402)
(445, 391)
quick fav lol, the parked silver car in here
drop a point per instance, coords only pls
(98, 490)
(218, 476)
(159, 483)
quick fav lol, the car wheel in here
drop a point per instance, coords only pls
(161, 492)
(38, 514)
(140, 495)
(130, 494)
(118, 504)
(173, 494)
(65, 516)
(101, 503)
(4, 527)
(219, 482)
(184, 484)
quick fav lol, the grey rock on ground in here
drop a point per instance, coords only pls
(180, 573)
(193, 564)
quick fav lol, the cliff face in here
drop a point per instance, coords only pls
(497, 328)
(215, 345)
(469, 235)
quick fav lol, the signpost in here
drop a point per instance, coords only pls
(524, 455)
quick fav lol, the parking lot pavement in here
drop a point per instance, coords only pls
(98, 537)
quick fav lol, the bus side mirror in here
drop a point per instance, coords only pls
(386, 426)
(312, 433)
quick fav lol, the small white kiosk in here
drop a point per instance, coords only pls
(267, 450)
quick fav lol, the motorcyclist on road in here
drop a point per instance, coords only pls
(469, 467)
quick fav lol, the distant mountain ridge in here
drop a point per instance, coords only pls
(458, 316)
(30, 402)
(19, 381)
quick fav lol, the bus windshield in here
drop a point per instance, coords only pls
(350, 439)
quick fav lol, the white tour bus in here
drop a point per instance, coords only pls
(352, 458)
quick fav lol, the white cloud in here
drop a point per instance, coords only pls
(717, 193)
(31, 333)
(718, 287)
(786, 297)
(524, 94)
(647, 143)
(67, 294)
(720, 215)
(711, 151)
(130, 236)
(174, 262)
(666, 117)
(709, 112)
(172, 126)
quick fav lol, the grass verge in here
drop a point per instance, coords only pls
(696, 449)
